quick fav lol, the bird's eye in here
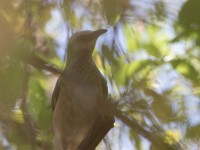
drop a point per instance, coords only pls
(82, 38)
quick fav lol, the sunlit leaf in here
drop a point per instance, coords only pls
(109, 55)
(172, 136)
(193, 132)
(11, 86)
(112, 10)
(184, 67)
(18, 116)
(38, 101)
(120, 72)
(161, 105)
(139, 65)
(131, 40)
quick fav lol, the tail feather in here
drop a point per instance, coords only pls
(64, 145)
(60, 144)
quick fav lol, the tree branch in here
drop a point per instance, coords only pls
(155, 138)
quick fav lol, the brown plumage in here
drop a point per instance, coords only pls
(79, 94)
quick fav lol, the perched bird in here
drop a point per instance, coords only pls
(80, 92)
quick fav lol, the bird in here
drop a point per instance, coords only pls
(80, 92)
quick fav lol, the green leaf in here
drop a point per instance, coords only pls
(119, 72)
(112, 10)
(11, 79)
(193, 132)
(139, 65)
(37, 103)
(152, 49)
(184, 67)
(161, 105)
(131, 40)
(108, 54)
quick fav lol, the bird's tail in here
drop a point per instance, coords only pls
(60, 144)
(64, 145)
(68, 145)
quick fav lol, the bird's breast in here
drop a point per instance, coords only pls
(83, 81)
(86, 97)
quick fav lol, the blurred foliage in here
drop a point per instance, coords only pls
(150, 57)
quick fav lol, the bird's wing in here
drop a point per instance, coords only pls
(102, 124)
(55, 94)
(106, 106)
(104, 87)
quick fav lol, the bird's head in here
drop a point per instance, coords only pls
(82, 43)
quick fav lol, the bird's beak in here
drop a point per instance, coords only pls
(97, 33)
